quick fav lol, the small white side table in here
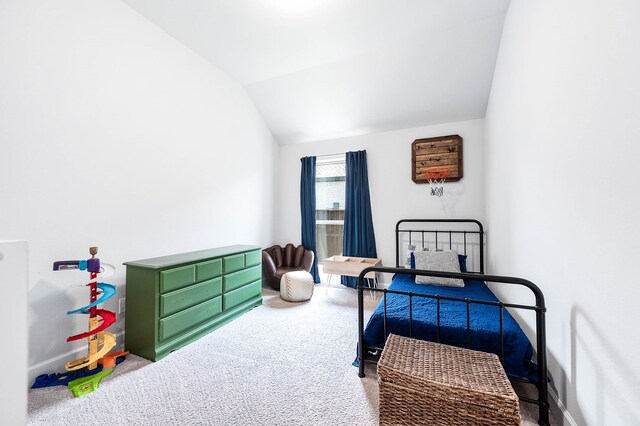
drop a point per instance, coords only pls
(350, 266)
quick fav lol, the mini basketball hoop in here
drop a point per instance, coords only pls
(436, 178)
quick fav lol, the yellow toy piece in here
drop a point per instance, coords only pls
(106, 339)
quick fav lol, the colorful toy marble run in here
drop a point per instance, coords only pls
(85, 373)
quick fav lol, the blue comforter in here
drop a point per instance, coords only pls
(485, 322)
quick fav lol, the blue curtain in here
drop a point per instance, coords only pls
(359, 239)
(308, 210)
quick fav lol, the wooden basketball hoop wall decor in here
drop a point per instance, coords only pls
(436, 161)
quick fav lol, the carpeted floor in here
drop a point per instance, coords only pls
(280, 364)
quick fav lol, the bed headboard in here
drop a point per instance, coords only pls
(466, 236)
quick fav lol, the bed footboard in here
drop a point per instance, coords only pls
(538, 308)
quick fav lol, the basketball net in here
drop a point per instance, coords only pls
(436, 180)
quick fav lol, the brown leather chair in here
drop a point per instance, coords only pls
(277, 261)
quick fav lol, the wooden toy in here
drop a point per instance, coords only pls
(100, 341)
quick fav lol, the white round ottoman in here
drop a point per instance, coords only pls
(296, 286)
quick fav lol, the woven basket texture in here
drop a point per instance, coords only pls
(426, 383)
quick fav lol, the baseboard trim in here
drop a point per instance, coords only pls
(566, 416)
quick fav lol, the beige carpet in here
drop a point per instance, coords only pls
(280, 364)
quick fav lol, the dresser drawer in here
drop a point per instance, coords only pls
(209, 269)
(173, 279)
(253, 258)
(242, 294)
(186, 297)
(183, 320)
(232, 263)
(238, 279)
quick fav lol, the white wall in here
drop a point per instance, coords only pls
(562, 178)
(394, 195)
(114, 134)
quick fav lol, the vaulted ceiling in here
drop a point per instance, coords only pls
(320, 69)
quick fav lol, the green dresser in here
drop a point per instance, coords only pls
(174, 300)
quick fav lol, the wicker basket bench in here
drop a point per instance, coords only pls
(425, 383)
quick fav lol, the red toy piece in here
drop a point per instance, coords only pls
(108, 318)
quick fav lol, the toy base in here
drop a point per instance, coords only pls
(62, 379)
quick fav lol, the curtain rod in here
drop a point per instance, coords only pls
(331, 155)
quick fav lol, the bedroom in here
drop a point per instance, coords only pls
(119, 131)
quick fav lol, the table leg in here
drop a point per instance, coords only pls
(369, 282)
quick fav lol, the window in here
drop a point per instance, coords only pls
(330, 198)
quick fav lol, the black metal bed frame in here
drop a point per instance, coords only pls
(539, 307)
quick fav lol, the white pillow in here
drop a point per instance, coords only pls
(412, 249)
(443, 261)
